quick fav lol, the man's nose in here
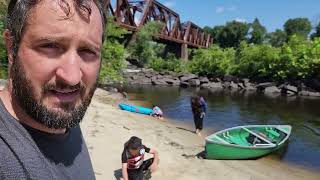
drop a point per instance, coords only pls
(69, 69)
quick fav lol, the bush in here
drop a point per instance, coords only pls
(213, 61)
(113, 54)
(170, 64)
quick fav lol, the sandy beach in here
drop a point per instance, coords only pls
(106, 128)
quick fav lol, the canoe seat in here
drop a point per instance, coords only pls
(234, 140)
(273, 132)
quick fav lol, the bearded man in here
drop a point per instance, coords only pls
(54, 55)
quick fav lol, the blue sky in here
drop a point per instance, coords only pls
(271, 13)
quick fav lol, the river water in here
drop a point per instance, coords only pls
(227, 109)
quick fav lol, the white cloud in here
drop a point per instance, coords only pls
(240, 20)
(169, 4)
(220, 10)
(232, 8)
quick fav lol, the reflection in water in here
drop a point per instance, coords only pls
(228, 109)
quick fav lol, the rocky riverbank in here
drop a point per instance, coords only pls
(151, 77)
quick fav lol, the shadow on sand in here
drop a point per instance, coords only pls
(118, 174)
(182, 128)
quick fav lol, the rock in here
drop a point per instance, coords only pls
(214, 79)
(194, 82)
(226, 85)
(288, 89)
(143, 81)
(203, 80)
(187, 77)
(272, 90)
(229, 78)
(204, 85)
(251, 88)
(159, 76)
(184, 84)
(313, 84)
(212, 85)
(233, 85)
(170, 81)
(245, 80)
(159, 82)
(292, 89)
(262, 86)
(309, 92)
(240, 85)
(154, 78)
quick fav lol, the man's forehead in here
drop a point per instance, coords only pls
(50, 17)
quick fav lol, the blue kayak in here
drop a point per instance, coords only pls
(135, 109)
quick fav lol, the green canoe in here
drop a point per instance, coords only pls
(246, 142)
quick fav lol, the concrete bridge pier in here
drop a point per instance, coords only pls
(184, 52)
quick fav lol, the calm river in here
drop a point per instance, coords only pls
(228, 109)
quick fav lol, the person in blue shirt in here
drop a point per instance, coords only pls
(199, 109)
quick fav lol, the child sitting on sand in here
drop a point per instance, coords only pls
(133, 165)
(157, 112)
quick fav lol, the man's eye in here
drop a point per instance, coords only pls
(49, 46)
(88, 51)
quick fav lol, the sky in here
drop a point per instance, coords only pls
(271, 13)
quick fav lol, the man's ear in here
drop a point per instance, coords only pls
(9, 45)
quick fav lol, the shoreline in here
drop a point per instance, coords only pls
(106, 128)
(188, 126)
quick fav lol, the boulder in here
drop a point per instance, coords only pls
(262, 86)
(272, 90)
(229, 78)
(142, 81)
(203, 80)
(171, 81)
(313, 84)
(288, 89)
(187, 77)
(226, 84)
(212, 85)
(233, 85)
(194, 82)
(159, 82)
(184, 84)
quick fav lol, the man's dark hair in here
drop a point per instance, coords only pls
(134, 143)
(19, 11)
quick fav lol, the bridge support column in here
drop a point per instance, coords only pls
(184, 52)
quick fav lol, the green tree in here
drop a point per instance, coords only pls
(298, 26)
(258, 33)
(113, 54)
(3, 52)
(277, 38)
(144, 48)
(317, 33)
(213, 61)
(232, 34)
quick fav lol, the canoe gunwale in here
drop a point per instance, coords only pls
(267, 146)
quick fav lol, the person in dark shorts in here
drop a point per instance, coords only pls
(199, 108)
(134, 167)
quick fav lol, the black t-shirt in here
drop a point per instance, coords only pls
(27, 152)
(67, 152)
(134, 162)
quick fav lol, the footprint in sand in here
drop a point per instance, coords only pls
(175, 144)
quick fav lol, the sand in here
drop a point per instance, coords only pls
(106, 128)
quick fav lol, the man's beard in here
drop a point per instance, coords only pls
(24, 94)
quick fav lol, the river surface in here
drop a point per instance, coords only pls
(227, 109)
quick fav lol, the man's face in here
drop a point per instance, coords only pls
(134, 152)
(55, 73)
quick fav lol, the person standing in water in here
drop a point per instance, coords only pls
(199, 109)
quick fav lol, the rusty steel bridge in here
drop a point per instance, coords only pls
(133, 14)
